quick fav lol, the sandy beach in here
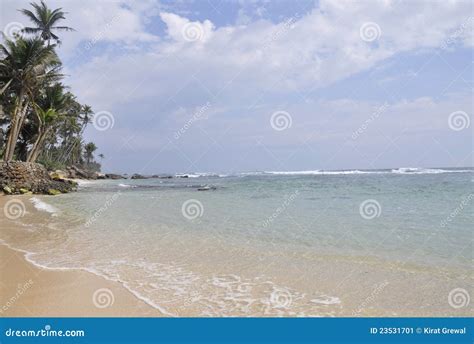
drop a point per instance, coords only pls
(27, 290)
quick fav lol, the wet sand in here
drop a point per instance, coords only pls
(27, 290)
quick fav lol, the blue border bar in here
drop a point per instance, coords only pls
(237, 330)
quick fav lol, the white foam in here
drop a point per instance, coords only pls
(401, 170)
(327, 300)
(201, 174)
(29, 258)
(188, 175)
(220, 295)
(126, 185)
(320, 172)
(83, 182)
(43, 206)
(419, 170)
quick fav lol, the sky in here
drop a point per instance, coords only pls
(247, 85)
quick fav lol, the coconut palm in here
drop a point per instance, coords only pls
(46, 21)
(46, 118)
(50, 107)
(86, 112)
(26, 65)
(89, 150)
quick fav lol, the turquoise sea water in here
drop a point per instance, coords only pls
(269, 243)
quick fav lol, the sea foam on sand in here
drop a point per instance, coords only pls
(43, 206)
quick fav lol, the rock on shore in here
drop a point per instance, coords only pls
(19, 177)
(75, 172)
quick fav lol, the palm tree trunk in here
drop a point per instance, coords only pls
(16, 124)
(6, 155)
(37, 146)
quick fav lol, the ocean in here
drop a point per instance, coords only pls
(390, 242)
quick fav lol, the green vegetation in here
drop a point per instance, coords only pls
(40, 119)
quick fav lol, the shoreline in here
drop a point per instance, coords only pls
(27, 289)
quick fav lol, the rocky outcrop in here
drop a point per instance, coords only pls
(75, 172)
(113, 176)
(154, 176)
(18, 177)
(207, 188)
(138, 176)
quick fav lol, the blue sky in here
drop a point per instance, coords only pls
(196, 86)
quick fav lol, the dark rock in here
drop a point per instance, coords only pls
(24, 177)
(58, 175)
(114, 176)
(76, 172)
(53, 192)
(71, 173)
(157, 176)
(138, 176)
(7, 190)
(206, 188)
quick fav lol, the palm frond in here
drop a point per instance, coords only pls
(31, 30)
(65, 28)
(31, 16)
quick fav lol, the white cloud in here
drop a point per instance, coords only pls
(183, 30)
(303, 52)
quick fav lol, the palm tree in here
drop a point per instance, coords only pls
(45, 20)
(26, 65)
(89, 150)
(101, 156)
(86, 112)
(49, 108)
(83, 115)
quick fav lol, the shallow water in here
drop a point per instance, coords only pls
(314, 243)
